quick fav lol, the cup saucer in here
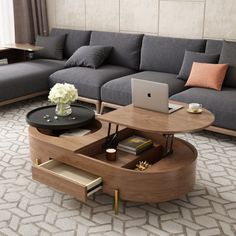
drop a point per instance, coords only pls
(194, 111)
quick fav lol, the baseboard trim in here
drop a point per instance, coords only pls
(222, 130)
(32, 95)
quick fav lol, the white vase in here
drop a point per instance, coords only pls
(63, 109)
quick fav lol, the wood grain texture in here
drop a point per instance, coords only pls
(23, 46)
(72, 143)
(177, 122)
(4, 49)
(222, 130)
(167, 178)
(210, 128)
(49, 178)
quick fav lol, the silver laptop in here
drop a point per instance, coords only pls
(152, 96)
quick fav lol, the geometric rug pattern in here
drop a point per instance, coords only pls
(29, 208)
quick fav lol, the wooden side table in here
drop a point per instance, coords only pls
(24, 47)
(6, 53)
(17, 52)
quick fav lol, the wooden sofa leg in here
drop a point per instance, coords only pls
(98, 104)
(102, 108)
(109, 105)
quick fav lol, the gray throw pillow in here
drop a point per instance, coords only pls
(190, 57)
(52, 47)
(228, 56)
(89, 56)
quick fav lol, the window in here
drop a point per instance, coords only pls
(7, 30)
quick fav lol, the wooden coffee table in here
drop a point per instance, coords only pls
(77, 165)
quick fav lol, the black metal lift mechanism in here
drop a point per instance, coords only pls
(112, 139)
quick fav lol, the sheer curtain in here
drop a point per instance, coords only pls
(7, 30)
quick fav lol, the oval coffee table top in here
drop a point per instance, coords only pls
(156, 122)
(80, 116)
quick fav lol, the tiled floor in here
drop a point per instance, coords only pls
(28, 208)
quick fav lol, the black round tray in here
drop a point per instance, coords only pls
(80, 116)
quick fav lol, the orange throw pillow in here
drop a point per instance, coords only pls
(207, 75)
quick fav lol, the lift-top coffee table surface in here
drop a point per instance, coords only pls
(78, 165)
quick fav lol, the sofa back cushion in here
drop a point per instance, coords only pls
(126, 47)
(52, 47)
(190, 58)
(74, 39)
(214, 46)
(228, 56)
(166, 54)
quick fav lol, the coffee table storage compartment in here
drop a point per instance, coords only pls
(68, 179)
(124, 159)
(152, 156)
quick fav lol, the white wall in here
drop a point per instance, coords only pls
(178, 18)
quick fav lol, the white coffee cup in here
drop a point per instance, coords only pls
(194, 106)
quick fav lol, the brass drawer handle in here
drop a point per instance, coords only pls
(116, 201)
(37, 161)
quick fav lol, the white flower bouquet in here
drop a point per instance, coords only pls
(63, 93)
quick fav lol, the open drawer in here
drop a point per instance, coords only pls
(68, 179)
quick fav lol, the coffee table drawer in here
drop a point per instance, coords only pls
(68, 179)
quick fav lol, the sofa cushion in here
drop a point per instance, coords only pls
(20, 79)
(118, 91)
(213, 46)
(207, 75)
(74, 39)
(190, 57)
(228, 56)
(166, 54)
(126, 47)
(52, 47)
(89, 56)
(221, 103)
(89, 81)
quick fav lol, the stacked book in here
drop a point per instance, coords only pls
(135, 144)
(76, 132)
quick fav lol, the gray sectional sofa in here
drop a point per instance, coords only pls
(133, 55)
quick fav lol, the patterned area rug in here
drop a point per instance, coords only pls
(28, 208)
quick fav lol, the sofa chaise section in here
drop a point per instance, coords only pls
(221, 103)
(31, 77)
(23, 80)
